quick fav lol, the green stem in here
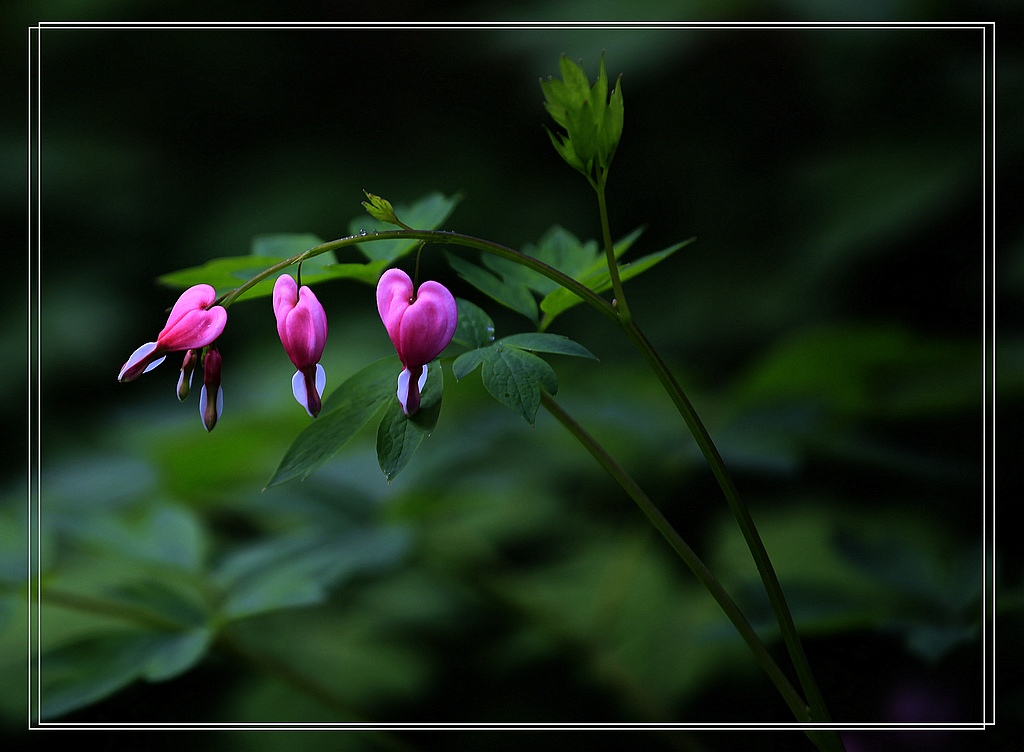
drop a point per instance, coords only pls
(687, 554)
(743, 518)
(609, 249)
(441, 237)
(718, 468)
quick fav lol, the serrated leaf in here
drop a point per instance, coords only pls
(400, 435)
(475, 327)
(426, 214)
(549, 343)
(515, 378)
(345, 411)
(510, 293)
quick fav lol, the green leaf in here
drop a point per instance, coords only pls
(558, 248)
(564, 148)
(583, 133)
(611, 129)
(299, 570)
(510, 293)
(167, 602)
(465, 363)
(593, 124)
(599, 93)
(515, 377)
(224, 274)
(285, 244)
(174, 655)
(426, 214)
(400, 435)
(345, 411)
(367, 273)
(475, 327)
(577, 86)
(162, 534)
(227, 273)
(561, 300)
(92, 668)
(548, 343)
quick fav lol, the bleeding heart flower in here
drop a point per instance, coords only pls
(302, 327)
(211, 397)
(194, 323)
(420, 325)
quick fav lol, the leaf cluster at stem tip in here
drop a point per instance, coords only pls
(592, 120)
(382, 210)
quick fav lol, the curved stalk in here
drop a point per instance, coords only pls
(746, 523)
(440, 237)
(687, 554)
(743, 519)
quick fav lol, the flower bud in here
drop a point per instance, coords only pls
(185, 377)
(211, 397)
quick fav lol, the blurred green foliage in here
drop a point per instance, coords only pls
(827, 324)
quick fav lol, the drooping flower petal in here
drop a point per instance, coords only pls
(191, 325)
(308, 397)
(409, 391)
(145, 358)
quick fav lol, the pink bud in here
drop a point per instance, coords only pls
(302, 327)
(211, 397)
(420, 326)
(194, 323)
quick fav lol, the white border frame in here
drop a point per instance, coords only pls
(988, 385)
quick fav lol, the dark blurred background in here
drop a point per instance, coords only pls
(828, 325)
